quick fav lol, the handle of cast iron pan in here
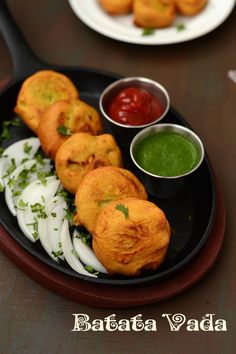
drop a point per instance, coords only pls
(24, 60)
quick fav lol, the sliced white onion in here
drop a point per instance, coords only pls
(49, 229)
(1, 174)
(16, 153)
(86, 254)
(11, 200)
(69, 251)
(35, 192)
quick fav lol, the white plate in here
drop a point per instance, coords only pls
(122, 28)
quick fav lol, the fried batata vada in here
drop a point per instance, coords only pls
(64, 118)
(100, 187)
(39, 91)
(153, 13)
(131, 236)
(190, 7)
(83, 152)
(117, 7)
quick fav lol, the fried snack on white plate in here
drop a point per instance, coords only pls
(64, 118)
(39, 91)
(131, 236)
(153, 13)
(117, 7)
(83, 152)
(102, 186)
(190, 7)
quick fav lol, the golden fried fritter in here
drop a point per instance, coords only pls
(117, 7)
(190, 7)
(153, 13)
(39, 91)
(100, 187)
(83, 152)
(69, 117)
(131, 236)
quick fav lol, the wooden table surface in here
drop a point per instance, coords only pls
(35, 320)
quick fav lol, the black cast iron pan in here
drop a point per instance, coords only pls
(191, 214)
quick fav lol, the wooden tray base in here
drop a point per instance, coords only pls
(97, 295)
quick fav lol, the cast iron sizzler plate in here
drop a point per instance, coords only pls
(191, 214)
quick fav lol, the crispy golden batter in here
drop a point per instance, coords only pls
(39, 91)
(74, 115)
(190, 7)
(100, 187)
(117, 7)
(131, 236)
(153, 13)
(83, 152)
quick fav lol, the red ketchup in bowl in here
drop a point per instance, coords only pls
(135, 106)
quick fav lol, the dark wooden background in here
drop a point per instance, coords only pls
(36, 321)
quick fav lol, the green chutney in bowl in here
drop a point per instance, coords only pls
(167, 154)
(164, 154)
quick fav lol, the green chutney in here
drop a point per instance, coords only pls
(166, 154)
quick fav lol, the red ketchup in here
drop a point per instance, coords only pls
(135, 106)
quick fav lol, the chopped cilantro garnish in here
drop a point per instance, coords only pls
(1, 151)
(23, 179)
(57, 253)
(11, 182)
(5, 128)
(35, 234)
(64, 130)
(24, 160)
(91, 269)
(123, 209)
(54, 215)
(16, 193)
(180, 27)
(27, 148)
(39, 159)
(22, 204)
(1, 188)
(148, 31)
(86, 237)
(64, 194)
(42, 177)
(40, 209)
(11, 168)
(69, 216)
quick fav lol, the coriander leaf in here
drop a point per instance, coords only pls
(15, 122)
(11, 168)
(57, 253)
(64, 130)
(39, 159)
(1, 188)
(27, 148)
(5, 128)
(148, 31)
(22, 204)
(42, 177)
(180, 27)
(123, 209)
(1, 151)
(39, 209)
(86, 237)
(91, 269)
(35, 234)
